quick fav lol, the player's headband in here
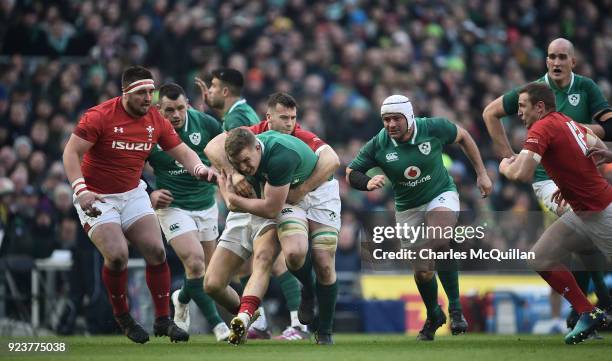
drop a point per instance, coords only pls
(398, 104)
(139, 84)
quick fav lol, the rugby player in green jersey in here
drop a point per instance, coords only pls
(224, 98)
(281, 162)
(186, 207)
(579, 98)
(409, 152)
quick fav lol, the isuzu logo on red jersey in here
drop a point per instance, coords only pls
(412, 172)
(118, 144)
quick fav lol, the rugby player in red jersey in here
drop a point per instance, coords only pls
(104, 159)
(561, 145)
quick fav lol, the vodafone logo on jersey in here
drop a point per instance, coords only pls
(412, 172)
(138, 146)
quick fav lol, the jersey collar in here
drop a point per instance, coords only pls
(412, 139)
(237, 103)
(262, 146)
(552, 84)
(186, 125)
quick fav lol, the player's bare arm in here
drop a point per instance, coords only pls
(327, 164)
(215, 152)
(469, 147)
(492, 115)
(362, 182)
(268, 207)
(521, 167)
(73, 153)
(192, 163)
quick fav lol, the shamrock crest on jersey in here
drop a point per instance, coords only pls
(425, 148)
(573, 99)
(195, 138)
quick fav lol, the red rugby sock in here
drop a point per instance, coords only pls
(158, 280)
(249, 304)
(116, 287)
(562, 281)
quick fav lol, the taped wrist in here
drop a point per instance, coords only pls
(358, 180)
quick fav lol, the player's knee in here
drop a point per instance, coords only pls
(156, 255)
(116, 262)
(423, 276)
(212, 285)
(194, 264)
(326, 273)
(294, 258)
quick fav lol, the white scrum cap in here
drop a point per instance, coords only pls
(398, 104)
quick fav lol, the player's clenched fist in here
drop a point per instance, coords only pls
(378, 181)
(161, 198)
(86, 202)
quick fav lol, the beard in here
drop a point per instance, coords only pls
(138, 110)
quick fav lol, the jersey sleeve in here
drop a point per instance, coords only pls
(443, 129)
(510, 102)
(90, 127)
(168, 138)
(282, 166)
(538, 138)
(311, 139)
(597, 102)
(366, 158)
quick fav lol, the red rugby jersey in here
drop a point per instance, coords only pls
(121, 145)
(562, 144)
(311, 139)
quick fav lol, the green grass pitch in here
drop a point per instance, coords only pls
(348, 347)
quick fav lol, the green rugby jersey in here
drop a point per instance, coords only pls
(580, 100)
(240, 114)
(284, 160)
(415, 168)
(188, 192)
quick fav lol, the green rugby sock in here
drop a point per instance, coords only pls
(291, 290)
(327, 296)
(306, 276)
(195, 287)
(183, 296)
(429, 294)
(449, 277)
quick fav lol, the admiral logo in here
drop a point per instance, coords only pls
(286, 211)
(173, 227)
(392, 157)
(121, 145)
